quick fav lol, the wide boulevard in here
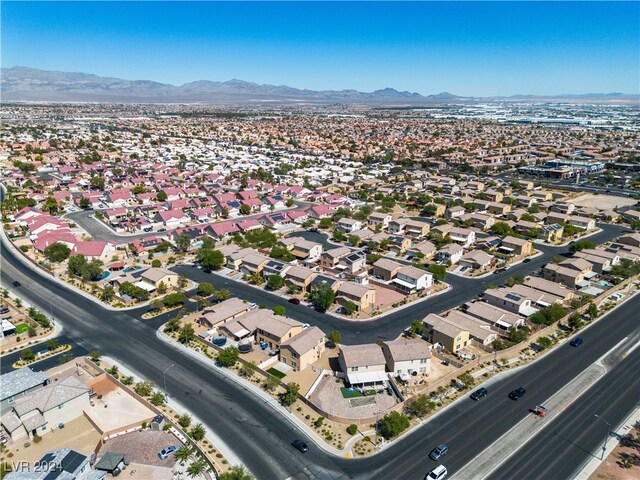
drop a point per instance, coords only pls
(260, 436)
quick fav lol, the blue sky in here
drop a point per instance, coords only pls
(474, 48)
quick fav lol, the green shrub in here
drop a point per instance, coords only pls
(352, 429)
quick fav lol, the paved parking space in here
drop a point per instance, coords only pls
(142, 447)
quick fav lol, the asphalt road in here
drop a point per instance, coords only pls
(7, 361)
(259, 436)
(574, 437)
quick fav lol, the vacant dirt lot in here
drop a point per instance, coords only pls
(601, 202)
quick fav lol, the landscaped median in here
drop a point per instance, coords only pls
(27, 357)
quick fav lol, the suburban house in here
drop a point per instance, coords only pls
(222, 312)
(363, 364)
(551, 233)
(42, 409)
(509, 300)
(363, 296)
(411, 279)
(477, 259)
(303, 349)
(416, 229)
(276, 329)
(439, 330)
(631, 239)
(18, 383)
(399, 244)
(582, 222)
(450, 253)
(406, 356)
(426, 248)
(275, 267)
(62, 464)
(299, 276)
(349, 225)
(462, 236)
(398, 225)
(331, 258)
(499, 318)
(353, 263)
(253, 263)
(562, 274)
(379, 218)
(154, 276)
(516, 246)
(478, 330)
(551, 287)
(385, 269)
(307, 250)
(541, 299)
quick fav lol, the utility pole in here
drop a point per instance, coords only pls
(375, 426)
(606, 439)
(164, 378)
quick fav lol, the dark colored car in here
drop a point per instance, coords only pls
(4, 310)
(526, 260)
(576, 342)
(480, 393)
(295, 301)
(300, 445)
(517, 393)
(17, 284)
(438, 452)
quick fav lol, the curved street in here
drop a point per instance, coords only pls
(251, 428)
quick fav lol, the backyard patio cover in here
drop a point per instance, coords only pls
(110, 461)
(366, 377)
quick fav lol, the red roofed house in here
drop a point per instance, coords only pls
(94, 249)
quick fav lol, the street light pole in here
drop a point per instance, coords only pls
(164, 378)
(606, 439)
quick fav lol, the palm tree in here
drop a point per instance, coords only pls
(197, 468)
(183, 454)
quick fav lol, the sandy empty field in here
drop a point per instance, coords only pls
(602, 202)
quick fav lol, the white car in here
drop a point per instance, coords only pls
(438, 473)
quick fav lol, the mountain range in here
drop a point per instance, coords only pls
(34, 85)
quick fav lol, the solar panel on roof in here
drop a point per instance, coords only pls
(72, 461)
(511, 296)
(47, 458)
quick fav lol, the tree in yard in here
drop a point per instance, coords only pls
(205, 289)
(31, 331)
(174, 299)
(322, 296)
(502, 229)
(592, 311)
(172, 325)
(183, 453)
(98, 182)
(156, 263)
(144, 389)
(416, 327)
(325, 223)
(198, 432)
(210, 259)
(289, 202)
(245, 209)
(279, 310)
(275, 282)
(393, 424)
(255, 278)
(517, 335)
(57, 252)
(544, 342)
(183, 242)
(354, 240)
(222, 294)
(247, 370)
(338, 235)
(108, 293)
(574, 322)
(334, 336)
(290, 395)
(27, 355)
(184, 420)
(280, 252)
(439, 272)
(228, 357)
(84, 203)
(515, 280)
(157, 399)
(50, 205)
(197, 468)
(183, 281)
(580, 245)
(187, 334)
(238, 472)
(422, 405)
(161, 196)
(162, 288)
(349, 307)
(271, 383)
(467, 380)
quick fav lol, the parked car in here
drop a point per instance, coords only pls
(165, 452)
(4, 310)
(295, 301)
(17, 284)
(480, 393)
(438, 452)
(576, 342)
(300, 445)
(517, 393)
(437, 473)
(526, 260)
